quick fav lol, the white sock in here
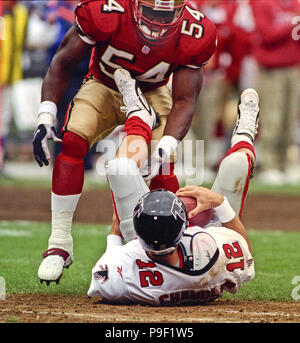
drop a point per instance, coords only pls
(61, 236)
(240, 138)
(64, 202)
(63, 208)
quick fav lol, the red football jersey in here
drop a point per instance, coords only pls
(275, 45)
(110, 27)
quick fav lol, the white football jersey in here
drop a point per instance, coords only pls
(211, 260)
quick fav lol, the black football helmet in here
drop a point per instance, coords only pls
(160, 219)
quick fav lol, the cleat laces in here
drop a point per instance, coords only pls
(246, 121)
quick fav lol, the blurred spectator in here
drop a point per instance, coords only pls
(222, 77)
(61, 12)
(14, 16)
(26, 92)
(23, 66)
(278, 55)
(210, 103)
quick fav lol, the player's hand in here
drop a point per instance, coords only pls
(41, 151)
(165, 147)
(149, 171)
(206, 198)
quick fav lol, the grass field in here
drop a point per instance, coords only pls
(92, 183)
(22, 243)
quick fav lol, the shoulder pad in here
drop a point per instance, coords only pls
(201, 249)
(97, 20)
(198, 37)
(204, 249)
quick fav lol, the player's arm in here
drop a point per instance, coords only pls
(114, 238)
(186, 86)
(70, 53)
(236, 225)
(187, 83)
(107, 280)
(206, 198)
(188, 79)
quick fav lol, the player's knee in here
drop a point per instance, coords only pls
(235, 160)
(233, 167)
(127, 186)
(122, 166)
(250, 153)
(124, 176)
(74, 146)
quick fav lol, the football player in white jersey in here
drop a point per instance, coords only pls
(166, 261)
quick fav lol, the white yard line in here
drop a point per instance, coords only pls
(14, 233)
(204, 319)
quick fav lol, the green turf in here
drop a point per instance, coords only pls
(94, 183)
(276, 256)
(20, 256)
(21, 244)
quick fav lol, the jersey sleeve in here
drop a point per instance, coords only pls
(93, 24)
(198, 42)
(234, 251)
(107, 279)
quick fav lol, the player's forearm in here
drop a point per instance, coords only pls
(180, 119)
(228, 218)
(55, 83)
(187, 83)
(236, 225)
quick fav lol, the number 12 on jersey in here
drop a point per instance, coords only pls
(147, 277)
(234, 250)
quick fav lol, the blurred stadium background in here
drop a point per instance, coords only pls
(253, 51)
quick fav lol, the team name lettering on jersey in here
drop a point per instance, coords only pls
(193, 295)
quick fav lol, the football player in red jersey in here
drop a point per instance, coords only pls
(151, 39)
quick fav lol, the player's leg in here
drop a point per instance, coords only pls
(84, 125)
(127, 186)
(237, 167)
(123, 173)
(161, 100)
(126, 183)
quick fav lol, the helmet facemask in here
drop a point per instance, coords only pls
(162, 250)
(155, 18)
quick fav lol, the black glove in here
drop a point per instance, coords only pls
(40, 145)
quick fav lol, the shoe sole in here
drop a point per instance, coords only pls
(56, 280)
(239, 113)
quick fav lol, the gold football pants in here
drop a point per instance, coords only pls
(95, 111)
